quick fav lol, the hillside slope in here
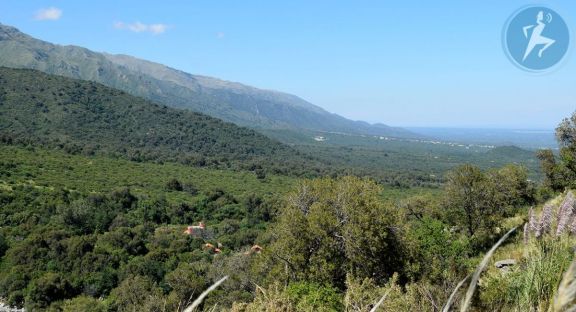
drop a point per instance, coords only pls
(86, 117)
(229, 101)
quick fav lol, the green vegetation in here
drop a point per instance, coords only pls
(533, 284)
(104, 207)
(85, 174)
(404, 162)
(543, 253)
(477, 200)
(65, 244)
(76, 228)
(561, 173)
(331, 228)
(126, 219)
(87, 118)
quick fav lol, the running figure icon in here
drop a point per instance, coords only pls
(536, 37)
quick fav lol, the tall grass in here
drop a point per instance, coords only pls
(532, 285)
(470, 292)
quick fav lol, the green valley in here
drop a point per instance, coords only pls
(127, 185)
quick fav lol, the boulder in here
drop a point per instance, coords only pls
(505, 263)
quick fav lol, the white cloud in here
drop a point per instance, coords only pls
(139, 27)
(48, 14)
(157, 28)
(220, 35)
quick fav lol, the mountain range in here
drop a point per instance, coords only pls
(229, 101)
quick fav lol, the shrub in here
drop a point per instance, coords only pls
(314, 297)
(333, 227)
(437, 253)
(135, 293)
(83, 303)
(3, 245)
(48, 288)
(174, 185)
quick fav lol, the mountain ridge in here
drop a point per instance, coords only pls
(231, 101)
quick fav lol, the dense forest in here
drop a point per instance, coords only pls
(326, 244)
(104, 206)
(88, 118)
(66, 245)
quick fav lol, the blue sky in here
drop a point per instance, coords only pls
(403, 63)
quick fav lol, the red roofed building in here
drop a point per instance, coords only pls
(195, 229)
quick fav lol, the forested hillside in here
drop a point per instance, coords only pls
(74, 226)
(88, 118)
(77, 228)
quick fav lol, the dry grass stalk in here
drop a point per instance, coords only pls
(198, 300)
(381, 300)
(453, 294)
(566, 295)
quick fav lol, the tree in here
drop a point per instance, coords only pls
(562, 173)
(260, 174)
(552, 171)
(314, 297)
(187, 281)
(566, 132)
(478, 200)
(566, 136)
(437, 254)
(332, 227)
(48, 288)
(511, 188)
(83, 303)
(174, 185)
(468, 198)
(135, 293)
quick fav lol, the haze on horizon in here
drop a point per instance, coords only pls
(413, 63)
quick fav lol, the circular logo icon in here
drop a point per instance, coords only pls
(536, 38)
